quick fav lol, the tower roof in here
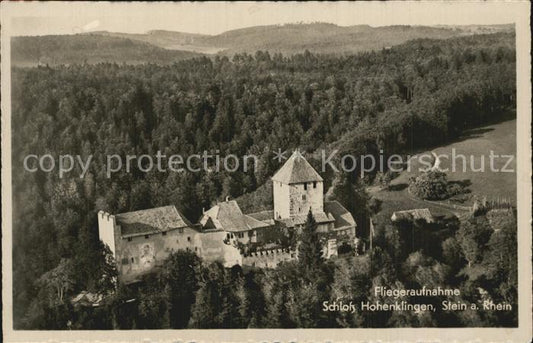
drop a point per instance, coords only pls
(296, 170)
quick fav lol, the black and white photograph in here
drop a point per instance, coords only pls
(246, 166)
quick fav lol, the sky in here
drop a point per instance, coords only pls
(215, 18)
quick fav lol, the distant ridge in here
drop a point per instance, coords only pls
(316, 37)
(163, 47)
(90, 49)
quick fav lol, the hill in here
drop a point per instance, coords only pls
(163, 47)
(89, 48)
(317, 37)
(170, 40)
(296, 38)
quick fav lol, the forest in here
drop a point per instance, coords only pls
(412, 96)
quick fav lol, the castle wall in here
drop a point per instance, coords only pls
(259, 235)
(268, 258)
(243, 237)
(303, 197)
(296, 199)
(139, 254)
(213, 248)
(281, 200)
(324, 227)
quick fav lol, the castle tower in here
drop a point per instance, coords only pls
(297, 188)
(108, 230)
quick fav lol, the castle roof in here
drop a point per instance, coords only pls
(228, 216)
(343, 217)
(320, 218)
(266, 216)
(296, 170)
(333, 212)
(151, 221)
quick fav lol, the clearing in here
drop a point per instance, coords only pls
(463, 160)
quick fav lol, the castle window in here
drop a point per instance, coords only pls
(188, 238)
(146, 236)
(125, 260)
(132, 260)
(314, 184)
(130, 239)
(164, 233)
(304, 197)
(305, 186)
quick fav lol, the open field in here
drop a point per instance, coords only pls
(476, 146)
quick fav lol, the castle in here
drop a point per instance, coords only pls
(142, 240)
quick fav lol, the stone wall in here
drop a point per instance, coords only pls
(137, 255)
(268, 258)
(296, 199)
(307, 196)
(213, 248)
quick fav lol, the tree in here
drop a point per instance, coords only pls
(310, 247)
(152, 303)
(344, 192)
(431, 185)
(304, 304)
(179, 274)
(452, 253)
(58, 281)
(501, 269)
(472, 236)
(275, 286)
(107, 273)
(351, 281)
(208, 299)
(355, 199)
(216, 304)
